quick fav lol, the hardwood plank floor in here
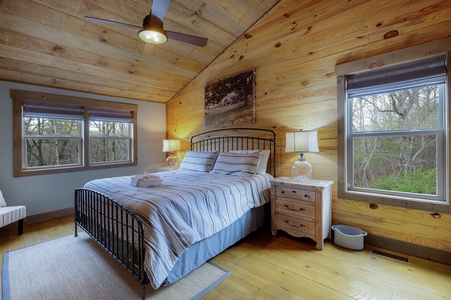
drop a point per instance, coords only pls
(282, 267)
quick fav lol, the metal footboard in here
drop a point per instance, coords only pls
(114, 228)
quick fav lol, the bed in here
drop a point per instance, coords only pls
(161, 233)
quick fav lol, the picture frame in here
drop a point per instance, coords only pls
(230, 100)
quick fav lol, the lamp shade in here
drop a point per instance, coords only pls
(302, 141)
(171, 145)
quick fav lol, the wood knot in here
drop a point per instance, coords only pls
(277, 45)
(247, 35)
(436, 215)
(391, 34)
(58, 48)
(374, 65)
(374, 206)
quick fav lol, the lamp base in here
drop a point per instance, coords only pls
(171, 161)
(301, 169)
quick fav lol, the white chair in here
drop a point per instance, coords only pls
(11, 214)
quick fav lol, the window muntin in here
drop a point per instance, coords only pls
(395, 132)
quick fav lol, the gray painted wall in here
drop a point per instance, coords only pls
(47, 193)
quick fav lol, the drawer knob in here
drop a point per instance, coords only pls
(288, 207)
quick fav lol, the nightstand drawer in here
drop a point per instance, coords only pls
(295, 209)
(305, 195)
(291, 224)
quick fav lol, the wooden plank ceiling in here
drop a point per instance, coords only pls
(48, 43)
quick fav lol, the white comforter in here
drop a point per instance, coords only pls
(186, 208)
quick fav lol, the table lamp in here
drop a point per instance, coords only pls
(171, 146)
(301, 142)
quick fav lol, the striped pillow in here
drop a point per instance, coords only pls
(240, 164)
(262, 162)
(198, 161)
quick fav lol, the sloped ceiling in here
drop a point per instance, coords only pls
(48, 43)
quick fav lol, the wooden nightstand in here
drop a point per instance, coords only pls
(302, 208)
(165, 169)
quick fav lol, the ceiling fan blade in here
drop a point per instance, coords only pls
(99, 20)
(159, 8)
(187, 38)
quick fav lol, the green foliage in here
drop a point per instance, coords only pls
(418, 181)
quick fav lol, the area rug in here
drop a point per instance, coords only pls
(77, 268)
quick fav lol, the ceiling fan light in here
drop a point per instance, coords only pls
(152, 37)
(153, 32)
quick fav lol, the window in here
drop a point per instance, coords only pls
(110, 134)
(393, 125)
(55, 133)
(52, 135)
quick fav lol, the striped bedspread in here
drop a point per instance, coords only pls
(186, 208)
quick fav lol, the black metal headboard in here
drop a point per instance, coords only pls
(230, 139)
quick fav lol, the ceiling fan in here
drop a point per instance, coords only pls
(152, 31)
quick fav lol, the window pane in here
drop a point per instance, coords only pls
(404, 163)
(399, 110)
(110, 150)
(51, 127)
(109, 129)
(52, 152)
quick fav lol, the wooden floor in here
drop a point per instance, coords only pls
(282, 267)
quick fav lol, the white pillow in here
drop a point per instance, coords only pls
(262, 162)
(199, 161)
(2, 200)
(240, 164)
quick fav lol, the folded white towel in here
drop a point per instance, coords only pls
(145, 180)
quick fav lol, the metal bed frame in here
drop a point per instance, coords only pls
(239, 139)
(121, 233)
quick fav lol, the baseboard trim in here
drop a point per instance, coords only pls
(429, 253)
(47, 216)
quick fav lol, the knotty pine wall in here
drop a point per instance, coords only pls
(294, 50)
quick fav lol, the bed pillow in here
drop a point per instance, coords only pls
(2, 200)
(199, 161)
(239, 164)
(262, 162)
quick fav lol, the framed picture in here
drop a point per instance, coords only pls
(230, 100)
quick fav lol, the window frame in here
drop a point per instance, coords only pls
(19, 96)
(387, 59)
